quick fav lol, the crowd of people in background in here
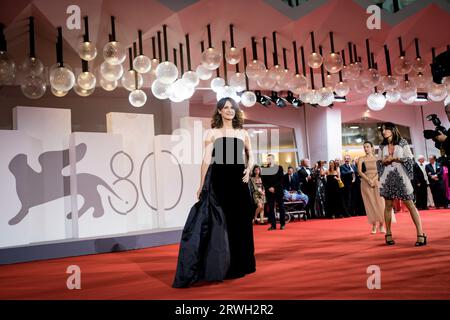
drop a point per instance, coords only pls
(342, 188)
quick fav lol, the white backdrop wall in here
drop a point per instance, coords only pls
(58, 185)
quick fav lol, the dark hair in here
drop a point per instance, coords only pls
(290, 168)
(334, 165)
(238, 120)
(368, 142)
(253, 170)
(271, 155)
(396, 136)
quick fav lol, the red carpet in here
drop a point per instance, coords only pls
(316, 259)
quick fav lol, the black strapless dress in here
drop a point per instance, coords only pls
(217, 239)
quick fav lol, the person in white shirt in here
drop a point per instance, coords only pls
(435, 177)
(421, 184)
(307, 185)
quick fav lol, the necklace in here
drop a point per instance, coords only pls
(391, 149)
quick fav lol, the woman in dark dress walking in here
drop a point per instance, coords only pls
(217, 239)
(334, 199)
(319, 174)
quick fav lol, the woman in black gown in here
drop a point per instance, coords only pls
(217, 239)
(334, 200)
(319, 176)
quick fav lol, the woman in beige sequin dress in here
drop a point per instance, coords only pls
(373, 202)
(258, 193)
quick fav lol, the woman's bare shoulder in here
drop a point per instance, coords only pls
(211, 134)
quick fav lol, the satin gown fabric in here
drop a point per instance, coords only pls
(217, 240)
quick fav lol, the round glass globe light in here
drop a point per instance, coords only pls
(86, 80)
(446, 82)
(62, 79)
(129, 80)
(83, 92)
(333, 62)
(437, 91)
(32, 66)
(342, 88)
(406, 86)
(389, 82)
(297, 82)
(346, 73)
(315, 60)
(360, 88)
(419, 65)
(203, 73)
(255, 69)
(393, 95)
(87, 51)
(266, 82)
(410, 99)
(142, 64)
(226, 92)
(160, 89)
(191, 77)
(137, 98)
(233, 55)
(447, 100)
(180, 90)
(326, 97)
(316, 96)
(283, 83)
(114, 53)
(237, 81)
(355, 70)
(376, 101)
(248, 99)
(58, 93)
(276, 72)
(167, 72)
(33, 87)
(108, 85)
(211, 58)
(423, 81)
(217, 84)
(111, 72)
(331, 80)
(403, 66)
(370, 77)
(7, 68)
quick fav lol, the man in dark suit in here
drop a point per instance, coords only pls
(357, 199)
(290, 180)
(420, 183)
(307, 185)
(272, 179)
(435, 178)
(348, 177)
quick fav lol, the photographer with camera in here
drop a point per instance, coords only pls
(440, 136)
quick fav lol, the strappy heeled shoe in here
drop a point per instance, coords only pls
(389, 242)
(423, 243)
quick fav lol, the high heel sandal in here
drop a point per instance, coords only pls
(389, 242)
(418, 243)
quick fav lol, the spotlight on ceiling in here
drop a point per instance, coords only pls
(422, 97)
(279, 101)
(262, 99)
(339, 99)
(296, 102)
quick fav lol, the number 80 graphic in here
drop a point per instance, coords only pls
(125, 179)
